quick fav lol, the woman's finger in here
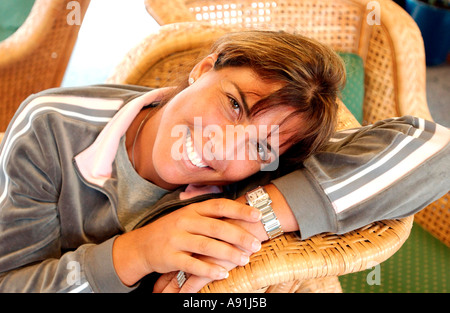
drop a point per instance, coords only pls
(194, 266)
(163, 282)
(194, 283)
(219, 208)
(214, 248)
(224, 231)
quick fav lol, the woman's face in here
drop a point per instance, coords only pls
(205, 135)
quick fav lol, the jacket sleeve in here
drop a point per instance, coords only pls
(32, 253)
(31, 259)
(388, 170)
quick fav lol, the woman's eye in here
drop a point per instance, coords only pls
(262, 152)
(235, 105)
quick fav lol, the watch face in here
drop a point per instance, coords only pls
(259, 192)
(252, 197)
(255, 194)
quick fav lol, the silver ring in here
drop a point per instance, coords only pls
(181, 278)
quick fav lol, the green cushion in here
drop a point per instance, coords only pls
(419, 266)
(12, 15)
(353, 93)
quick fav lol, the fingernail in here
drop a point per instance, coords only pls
(256, 214)
(223, 273)
(244, 259)
(256, 245)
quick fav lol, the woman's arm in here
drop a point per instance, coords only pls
(388, 170)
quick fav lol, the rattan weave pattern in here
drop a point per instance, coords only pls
(435, 219)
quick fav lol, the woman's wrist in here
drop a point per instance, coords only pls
(127, 261)
(281, 209)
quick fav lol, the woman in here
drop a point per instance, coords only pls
(93, 179)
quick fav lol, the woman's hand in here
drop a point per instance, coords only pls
(168, 282)
(168, 244)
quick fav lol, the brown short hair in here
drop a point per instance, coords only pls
(312, 73)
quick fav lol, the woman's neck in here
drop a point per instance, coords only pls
(140, 141)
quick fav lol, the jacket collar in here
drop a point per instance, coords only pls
(95, 163)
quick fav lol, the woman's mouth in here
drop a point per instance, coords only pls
(192, 154)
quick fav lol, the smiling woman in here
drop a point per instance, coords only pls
(209, 98)
(302, 74)
(126, 181)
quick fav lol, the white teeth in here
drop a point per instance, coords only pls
(191, 153)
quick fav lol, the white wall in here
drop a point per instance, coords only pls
(109, 30)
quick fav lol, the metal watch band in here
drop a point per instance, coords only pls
(260, 199)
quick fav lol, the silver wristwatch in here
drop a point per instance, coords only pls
(260, 199)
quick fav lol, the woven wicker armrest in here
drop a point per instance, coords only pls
(287, 259)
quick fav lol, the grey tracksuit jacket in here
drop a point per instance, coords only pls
(60, 214)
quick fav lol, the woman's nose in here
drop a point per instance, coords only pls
(227, 143)
(214, 146)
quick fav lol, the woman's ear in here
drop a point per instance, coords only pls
(203, 67)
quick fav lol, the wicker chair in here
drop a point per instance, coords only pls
(393, 54)
(35, 57)
(286, 263)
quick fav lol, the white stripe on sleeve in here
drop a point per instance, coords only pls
(428, 149)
